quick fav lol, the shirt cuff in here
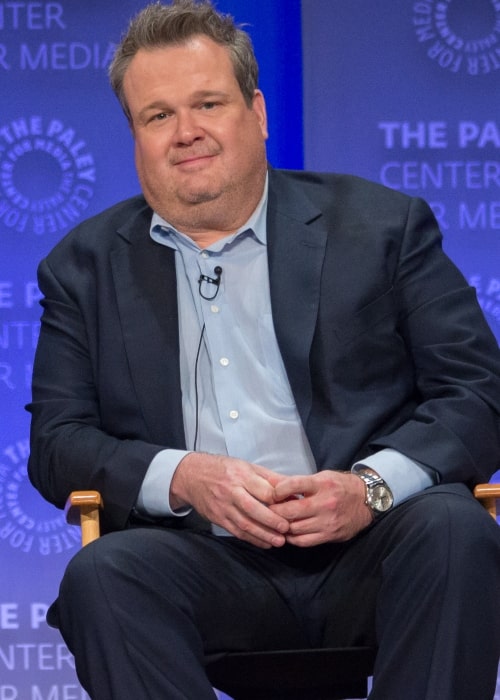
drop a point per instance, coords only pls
(154, 497)
(403, 475)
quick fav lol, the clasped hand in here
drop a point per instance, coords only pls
(268, 509)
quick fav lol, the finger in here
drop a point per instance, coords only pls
(260, 489)
(293, 486)
(271, 479)
(248, 508)
(256, 535)
(293, 508)
(305, 526)
(312, 531)
(242, 525)
(310, 540)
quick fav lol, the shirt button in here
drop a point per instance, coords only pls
(233, 414)
(205, 254)
(214, 309)
(224, 361)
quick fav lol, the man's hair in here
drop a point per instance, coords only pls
(159, 25)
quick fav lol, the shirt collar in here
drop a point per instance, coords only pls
(162, 232)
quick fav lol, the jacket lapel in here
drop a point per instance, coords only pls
(296, 248)
(145, 282)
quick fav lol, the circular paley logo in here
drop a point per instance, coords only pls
(27, 523)
(461, 36)
(47, 175)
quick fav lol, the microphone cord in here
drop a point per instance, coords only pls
(216, 282)
(196, 397)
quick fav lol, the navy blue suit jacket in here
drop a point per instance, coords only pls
(382, 339)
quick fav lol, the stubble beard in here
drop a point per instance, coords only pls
(194, 209)
(218, 205)
(208, 208)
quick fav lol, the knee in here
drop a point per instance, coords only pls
(453, 508)
(79, 576)
(93, 568)
(450, 524)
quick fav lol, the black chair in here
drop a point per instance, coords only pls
(303, 674)
(299, 674)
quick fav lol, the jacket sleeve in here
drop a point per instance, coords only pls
(70, 445)
(455, 426)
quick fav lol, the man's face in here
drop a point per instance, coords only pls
(199, 148)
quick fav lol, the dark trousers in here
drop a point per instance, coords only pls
(141, 609)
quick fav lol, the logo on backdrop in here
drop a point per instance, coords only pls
(47, 175)
(461, 36)
(488, 295)
(27, 523)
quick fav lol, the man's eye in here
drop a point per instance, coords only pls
(159, 117)
(208, 105)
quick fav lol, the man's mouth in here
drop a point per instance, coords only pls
(193, 159)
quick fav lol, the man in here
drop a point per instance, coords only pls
(284, 391)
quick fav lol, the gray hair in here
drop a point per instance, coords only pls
(159, 25)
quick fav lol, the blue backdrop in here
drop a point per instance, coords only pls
(404, 93)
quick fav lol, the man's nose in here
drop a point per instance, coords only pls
(188, 128)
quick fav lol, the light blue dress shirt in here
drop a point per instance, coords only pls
(236, 398)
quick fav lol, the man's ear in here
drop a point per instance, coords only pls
(259, 107)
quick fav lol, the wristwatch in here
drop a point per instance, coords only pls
(378, 495)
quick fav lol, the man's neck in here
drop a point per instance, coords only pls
(208, 222)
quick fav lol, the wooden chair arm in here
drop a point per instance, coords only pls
(488, 494)
(82, 508)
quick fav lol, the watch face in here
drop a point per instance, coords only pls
(381, 499)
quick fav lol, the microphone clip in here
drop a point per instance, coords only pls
(205, 279)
